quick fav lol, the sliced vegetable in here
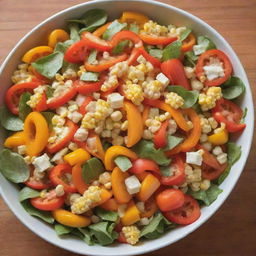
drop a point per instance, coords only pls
(77, 179)
(188, 42)
(94, 42)
(15, 140)
(141, 165)
(134, 17)
(131, 215)
(78, 156)
(35, 53)
(77, 52)
(57, 35)
(112, 29)
(158, 40)
(219, 138)
(160, 137)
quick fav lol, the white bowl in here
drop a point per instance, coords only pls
(165, 14)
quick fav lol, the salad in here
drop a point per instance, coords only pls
(120, 130)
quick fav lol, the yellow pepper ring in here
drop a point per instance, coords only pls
(36, 53)
(78, 156)
(36, 133)
(130, 17)
(70, 219)
(15, 140)
(57, 35)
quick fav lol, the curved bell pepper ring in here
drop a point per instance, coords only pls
(78, 156)
(15, 140)
(131, 17)
(57, 35)
(36, 53)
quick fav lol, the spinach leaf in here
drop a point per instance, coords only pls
(49, 92)
(27, 193)
(190, 59)
(13, 166)
(134, 28)
(172, 142)
(92, 57)
(120, 47)
(157, 53)
(172, 51)
(91, 19)
(106, 215)
(112, 29)
(232, 88)
(24, 108)
(44, 215)
(123, 163)
(74, 32)
(146, 149)
(185, 34)
(190, 97)
(89, 76)
(103, 232)
(62, 230)
(61, 47)
(9, 121)
(203, 44)
(48, 117)
(49, 65)
(92, 169)
(224, 175)
(84, 234)
(244, 115)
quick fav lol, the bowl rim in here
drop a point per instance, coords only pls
(218, 203)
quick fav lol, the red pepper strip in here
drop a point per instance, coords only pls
(42, 104)
(94, 42)
(156, 40)
(160, 137)
(82, 108)
(126, 35)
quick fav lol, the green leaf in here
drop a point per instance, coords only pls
(92, 57)
(13, 166)
(185, 34)
(112, 29)
(67, 65)
(146, 149)
(172, 142)
(49, 65)
(190, 59)
(92, 19)
(49, 92)
(85, 235)
(134, 28)
(157, 53)
(165, 171)
(9, 121)
(62, 230)
(74, 32)
(224, 175)
(103, 232)
(89, 76)
(244, 115)
(48, 117)
(24, 108)
(92, 169)
(106, 215)
(27, 193)
(120, 47)
(232, 88)
(61, 47)
(43, 215)
(172, 51)
(190, 97)
(234, 152)
(123, 163)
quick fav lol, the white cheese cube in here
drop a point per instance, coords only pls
(81, 134)
(58, 156)
(42, 163)
(80, 99)
(132, 185)
(21, 149)
(115, 100)
(194, 157)
(163, 79)
(198, 49)
(213, 71)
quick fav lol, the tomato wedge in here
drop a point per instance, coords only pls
(12, 96)
(160, 137)
(230, 114)
(156, 40)
(178, 176)
(61, 143)
(186, 214)
(142, 164)
(94, 42)
(49, 203)
(205, 58)
(42, 104)
(82, 108)
(77, 52)
(58, 177)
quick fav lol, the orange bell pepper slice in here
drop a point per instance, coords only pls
(57, 35)
(188, 43)
(77, 156)
(97, 150)
(36, 133)
(135, 123)
(193, 136)
(115, 151)
(110, 205)
(132, 215)
(176, 114)
(15, 140)
(118, 186)
(150, 208)
(36, 53)
(148, 186)
(105, 196)
(131, 17)
(100, 31)
(145, 114)
(77, 179)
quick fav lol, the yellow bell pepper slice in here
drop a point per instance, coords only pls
(57, 35)
(219, 138)
(36, 53)
(36, 133)
(131, 17)
(118, 186)
(70, 219)
(135, 124)
(132, 215)
(148, 186)
(96, 150)
(113, 152)
(78, 156)
(15, 140)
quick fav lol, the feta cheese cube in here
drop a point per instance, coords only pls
(81, 134)
(58, 156)
(213, 71)
(21, 149)
(198, 49)
(132, 185)
(80, 99)
(194, 157)
(115, 100)
(42, 163)
(163, 79)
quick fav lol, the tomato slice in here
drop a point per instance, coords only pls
(229, 113)
(186, 214)
(82, 108)
(126, 35)
(178, 176)
(160, 137)
(62, 99)
(58, 177)
(205, 58)
(94, 42)
(61, 143)
(142, 164)
(49, 203)
(77, 52)
(174, 70)
(42, 104)
(156, 40)
(12, 96)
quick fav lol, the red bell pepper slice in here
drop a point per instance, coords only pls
(142, 164)
(157, 40)
(160, 137)
(94, 42)
(77, 52)
(82, 108)
(42, 104)
(126, 35)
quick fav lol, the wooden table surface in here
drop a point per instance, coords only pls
(232, 230)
